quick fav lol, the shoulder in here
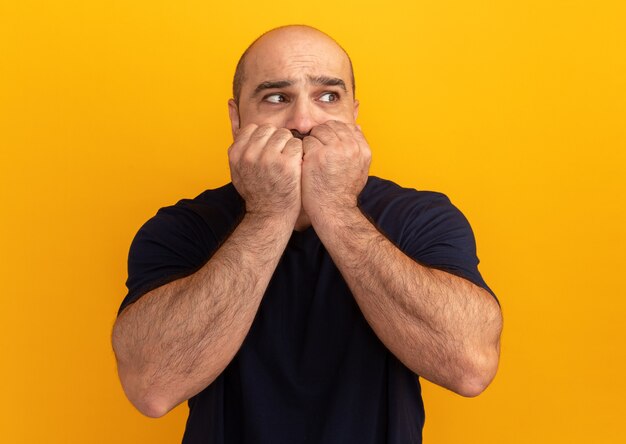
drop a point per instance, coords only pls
(425, 225)
(379, 191)
(189, 231)
(215, 210)
(179, 238)
(223, 203)
(392, 206)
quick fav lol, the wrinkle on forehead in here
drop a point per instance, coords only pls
(292, 51)
(296, 67)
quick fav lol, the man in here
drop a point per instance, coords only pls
(298, 303)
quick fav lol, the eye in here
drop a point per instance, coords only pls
(329, 97)
(275, 98)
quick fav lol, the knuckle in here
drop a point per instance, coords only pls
(263, 130)
(245, 131)
(294, 143)
(283, 132)
(233, 154)
(280, 137)
(316, 130)
(247, 158)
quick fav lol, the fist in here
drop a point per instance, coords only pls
(335, 168)
(265, 168)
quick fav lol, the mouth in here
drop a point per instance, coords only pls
(298, 135)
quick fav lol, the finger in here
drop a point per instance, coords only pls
(258, 140)
(276, 142)
(349, 131)
(241, 139)
(310, 143)
(364, 146)
(262, 133)
(293, 147)
(243, 134)
(357, 131)
(324, 134)
(342, 130)
(359, 136)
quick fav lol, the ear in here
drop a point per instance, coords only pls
(356, 109)
(233, 114)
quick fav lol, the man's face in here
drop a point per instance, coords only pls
(295, 78)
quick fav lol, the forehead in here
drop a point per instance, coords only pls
(294, 55)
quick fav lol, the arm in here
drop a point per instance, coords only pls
(440, 326)
(175, 340)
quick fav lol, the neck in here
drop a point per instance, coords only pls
(303, 222)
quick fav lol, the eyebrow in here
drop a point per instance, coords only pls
(315, 80)
(328, 81)
(276, 84)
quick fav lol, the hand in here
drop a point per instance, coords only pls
(334, 169)
(265, 168)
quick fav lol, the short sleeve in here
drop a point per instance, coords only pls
(180, 239)
(426, 226)
(173, 244)
(441, 237)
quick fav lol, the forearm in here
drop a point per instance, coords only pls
(441, 326)
(175, 340)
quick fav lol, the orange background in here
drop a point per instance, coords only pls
(516, 110)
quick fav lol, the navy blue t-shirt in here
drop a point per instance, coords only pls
(311, 370)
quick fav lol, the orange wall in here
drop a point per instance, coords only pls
(517, 110)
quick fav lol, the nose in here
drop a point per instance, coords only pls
(301, 117)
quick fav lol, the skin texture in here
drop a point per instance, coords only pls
(301, 56)
(175, 340)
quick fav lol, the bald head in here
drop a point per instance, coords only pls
(283, 39)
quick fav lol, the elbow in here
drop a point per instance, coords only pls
(472, 387)
(135, 383)
(478, 373)
(143, 397)
(480, 363)
(152, 408)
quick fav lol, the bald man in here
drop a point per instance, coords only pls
(299, 303)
